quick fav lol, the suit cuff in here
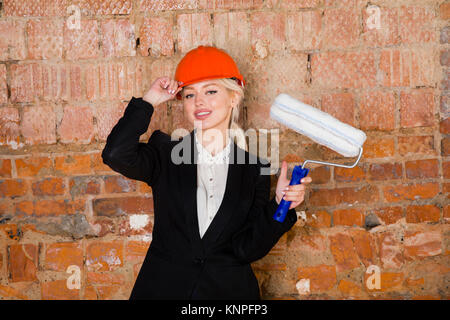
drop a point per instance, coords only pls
(140, 102)
(289, 220)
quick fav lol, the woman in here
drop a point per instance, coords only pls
(212, 213)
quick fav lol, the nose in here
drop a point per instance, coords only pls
(199, 100)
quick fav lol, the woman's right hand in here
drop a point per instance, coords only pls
(162, 89)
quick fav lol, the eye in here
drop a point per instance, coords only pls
(187, 96)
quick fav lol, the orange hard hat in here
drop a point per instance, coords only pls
(204, 63)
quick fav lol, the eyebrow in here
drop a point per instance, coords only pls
(206, 85)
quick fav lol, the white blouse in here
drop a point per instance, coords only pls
(212, 172)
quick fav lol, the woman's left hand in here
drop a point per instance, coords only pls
(294, 193)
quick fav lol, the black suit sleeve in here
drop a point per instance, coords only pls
(125, 154)
(261, 232)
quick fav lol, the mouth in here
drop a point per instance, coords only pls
(202, 114)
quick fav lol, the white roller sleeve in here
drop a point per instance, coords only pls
(319, 126)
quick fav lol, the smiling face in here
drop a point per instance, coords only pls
(209, 104)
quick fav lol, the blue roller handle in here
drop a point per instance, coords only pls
(297, 175)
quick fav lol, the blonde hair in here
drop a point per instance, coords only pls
(236, 132)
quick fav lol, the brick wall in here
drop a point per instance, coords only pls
(378, 231)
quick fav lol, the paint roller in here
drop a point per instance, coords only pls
(320, 127)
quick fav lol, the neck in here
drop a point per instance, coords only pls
(214, 140)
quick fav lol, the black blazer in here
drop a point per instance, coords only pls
(179, 264)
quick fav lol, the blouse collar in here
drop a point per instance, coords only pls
(204, 156)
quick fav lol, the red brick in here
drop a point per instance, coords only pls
(81, 43)
(135, 251)
(293, 4)
(424, 213)
(118, 38)
(48, 187)
(389, 215)
(421, 169)
(445, 146)
(97, 163)
(348, 217)
(106, 119)
(119, 184)
(33, 166)
(349, 288)
(349, 175)
(22, 83)
(5, 168)
(389, 281)
(13, 188)
(333, 197)
(105, 278)
(378, 147)
(416, 24)
(136, 224)
(12, 43)
(422, 244)
(407, 68)
(259, 266)
(445, 58)
(6, 291)
(58, 207)
(446, 213)
(151, 5)
(341, 106)
(390, 251)
(194, 29)
(58, 290)
(90, 293)
(3, 86)
(444, 126)
(232, 25)
(84, 185)
(410, 192)
(105, 7)
(346, 20)
(122, 206)
(104, 256)
(268, 28)
(343, 70)
(322, 277)
(9, 127)
(364, 245)
(45, 39)
(238, 4)
(377, 111)
(75, 82)
(73, 164)
(23, 262)
(275, 76)
(417, 108)
(344, 253)
(40, 9)
(412, 145)
(309, 245)
(77, 125)
(156, 37)
(320, 175)
(39, 125)
(59, 256)
(318, 219)
(11, 231)
(24, 208)
(385, 171)
(303, 30)
(387, 30)
(444, 11)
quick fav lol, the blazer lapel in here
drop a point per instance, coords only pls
(187, 176)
